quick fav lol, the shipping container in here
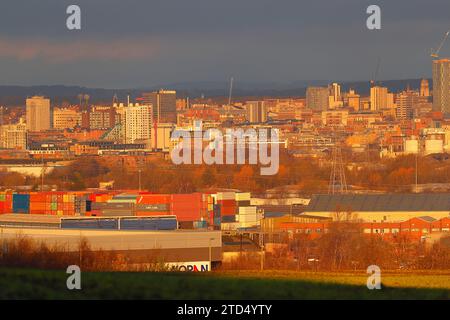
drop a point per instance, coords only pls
(21, 203)
(149, 223)
(188, 207)
(90, 223)
(231, 218)
(152, 213)
(186, 224)
(226, 211)
(226, 196)
(200, 224)
(153, 207)
(154, 199)
(243, 196)
(247, 210)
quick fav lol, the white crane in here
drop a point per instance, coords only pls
(435, 53)
(231, 91)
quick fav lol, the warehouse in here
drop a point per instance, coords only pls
(380, 207)
(175, 246)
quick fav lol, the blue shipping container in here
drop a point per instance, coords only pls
(21, 203)
(90, 223)
(149, 223)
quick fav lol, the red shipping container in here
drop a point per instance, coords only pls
(227, 203)
(227, 211)
(38, 197)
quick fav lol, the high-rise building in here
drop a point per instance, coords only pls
(100, 117)
(406, 102)
(138, 124)
(256, 111)
(164, 104)
(13, 136)
(66, 118)
(441, 85)
(38, 116)
(378, 98)
(353, 100)
(317, 98)
(424, 88)
(335, 99)
(335, 91)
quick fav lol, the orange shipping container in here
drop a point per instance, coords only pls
(150, 214)
(153, 199)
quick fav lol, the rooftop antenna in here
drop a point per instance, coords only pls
(231, 91)
(115, 99)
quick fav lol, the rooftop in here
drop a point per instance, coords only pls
(380, 202)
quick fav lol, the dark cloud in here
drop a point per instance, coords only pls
(142, 43)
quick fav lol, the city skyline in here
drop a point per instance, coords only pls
(266, 42)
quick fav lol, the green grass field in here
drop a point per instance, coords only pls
(40, 284)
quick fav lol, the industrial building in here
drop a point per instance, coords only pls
(380, 207)
(175, 246)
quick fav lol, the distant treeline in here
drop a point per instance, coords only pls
(16, 95)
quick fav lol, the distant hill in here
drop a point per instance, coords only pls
(16, 95)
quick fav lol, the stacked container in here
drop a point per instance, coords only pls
(57, 203)
(227, 203)
(189, 207)
(153, 205)
(21, 203)
(248, 217)
(5, 202)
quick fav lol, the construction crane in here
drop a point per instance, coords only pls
(231, 91)
(373, 82)
(435, 53)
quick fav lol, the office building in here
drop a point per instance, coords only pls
(13, 136)
(353, 100)
(164, 105)
(379, 99)
(38, 116)
(138, 124)
(256, 111)
(441, 85)
(406, 102)
(66, 118)
(317, 98)
(424, 88)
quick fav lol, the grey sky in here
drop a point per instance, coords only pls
(143, 43)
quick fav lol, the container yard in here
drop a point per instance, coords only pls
(222, 210)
